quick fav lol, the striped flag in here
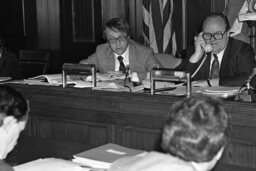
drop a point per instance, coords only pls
(158, 30)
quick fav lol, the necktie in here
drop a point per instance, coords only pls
(122, 66)
(215, 67)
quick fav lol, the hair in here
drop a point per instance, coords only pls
(12, 103)
(117, 24)
(218, 15)
(196, 129)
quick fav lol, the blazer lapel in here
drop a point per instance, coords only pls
(109, 60)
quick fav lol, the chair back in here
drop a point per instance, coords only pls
(168, 60)
(34, 62)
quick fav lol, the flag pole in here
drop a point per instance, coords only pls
(184, 24)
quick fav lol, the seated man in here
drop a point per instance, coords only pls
(230, 62)
(194, 137)
(9, 64)
(13, 116)
(122, 54)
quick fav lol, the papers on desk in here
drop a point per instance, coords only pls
(50, 164)
(218, 91)
(108, 82)
(2, 79)
(103, 156)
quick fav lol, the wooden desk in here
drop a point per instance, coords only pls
(73, 119)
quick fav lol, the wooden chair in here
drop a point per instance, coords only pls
(167, 60)
(34, 62)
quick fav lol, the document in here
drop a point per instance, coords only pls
(51, 164)
(52, 79)
(103, 156)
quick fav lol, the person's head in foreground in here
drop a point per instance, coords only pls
(196, 130)
(13, 116)
(193, 138)
(117, 34)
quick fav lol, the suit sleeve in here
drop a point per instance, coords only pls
(92, 59)
(243, 64)
(151, 62)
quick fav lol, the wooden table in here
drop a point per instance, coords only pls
(64, 121)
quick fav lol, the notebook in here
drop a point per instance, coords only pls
(103, 156)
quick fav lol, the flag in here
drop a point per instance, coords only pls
(158, 30)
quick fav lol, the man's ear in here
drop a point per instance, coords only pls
(8, 122)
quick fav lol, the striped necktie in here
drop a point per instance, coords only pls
(215, 67)
(122, 66)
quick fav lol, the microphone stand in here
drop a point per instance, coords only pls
(247, 92)
(127, 70)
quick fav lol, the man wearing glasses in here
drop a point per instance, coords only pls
(121, 54)
(230, 61)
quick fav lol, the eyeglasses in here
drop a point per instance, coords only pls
(216, 36)
(121, 38)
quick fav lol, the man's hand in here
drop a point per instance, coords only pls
(199, 51)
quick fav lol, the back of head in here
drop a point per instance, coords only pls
(12, 103)
(196, 129)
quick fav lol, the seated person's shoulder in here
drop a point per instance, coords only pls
(140, 47)
(150, 162)
(102, 47)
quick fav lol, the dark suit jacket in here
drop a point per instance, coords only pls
(237, 64)
(141, 59)
(9, 65)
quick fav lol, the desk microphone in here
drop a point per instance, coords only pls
(252, 75)
(127, 70)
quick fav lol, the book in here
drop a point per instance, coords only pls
(103, 156)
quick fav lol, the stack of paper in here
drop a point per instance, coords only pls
(103, 156)
(50, 164)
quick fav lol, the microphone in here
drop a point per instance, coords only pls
(252, 75)
(207, 47)
(127, 70)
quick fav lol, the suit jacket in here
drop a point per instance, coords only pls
(237, 64)
(141, 59)
(153, 161)
(9, 65)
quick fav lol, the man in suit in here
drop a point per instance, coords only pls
(9, 65)
(194, 137)
(120, 53)
(230, 62)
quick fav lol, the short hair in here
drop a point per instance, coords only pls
(118, 24)
(196, 129)
(218, 15)
(12, 103)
